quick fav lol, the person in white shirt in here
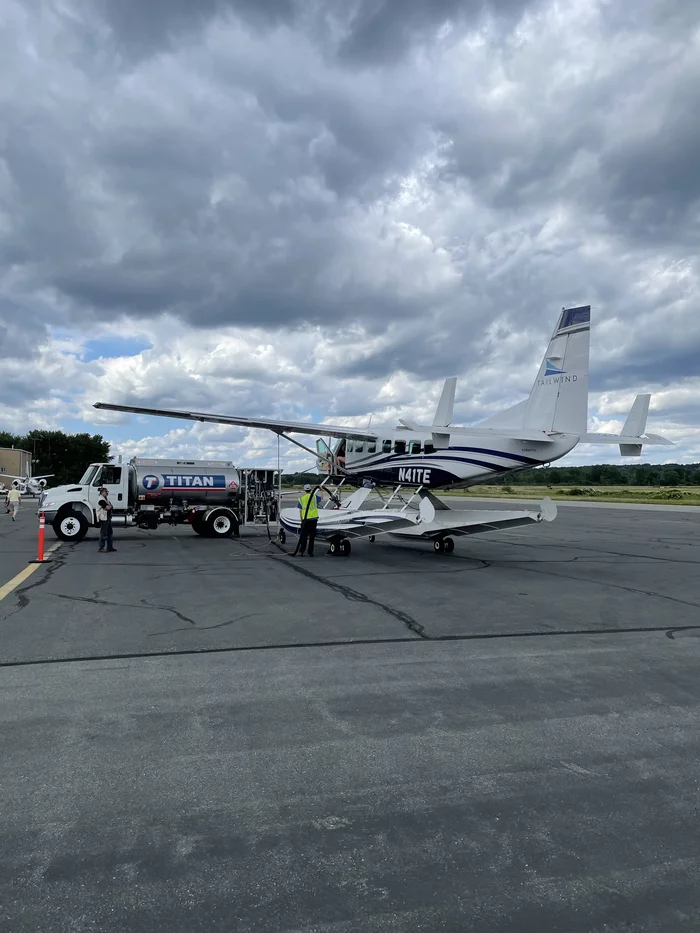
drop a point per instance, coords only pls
(12, 502)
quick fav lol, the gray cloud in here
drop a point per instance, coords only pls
(381, 31)
(440, 176)
(141, 29)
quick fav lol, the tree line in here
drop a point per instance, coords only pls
(599, 474)
(607, 474)
(64, 455)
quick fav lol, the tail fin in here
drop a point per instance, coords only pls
(635, 425)
(445, 409)
(559, 398)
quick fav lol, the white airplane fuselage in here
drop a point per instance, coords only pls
(409, 458)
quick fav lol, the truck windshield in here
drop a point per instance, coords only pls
(88, 474)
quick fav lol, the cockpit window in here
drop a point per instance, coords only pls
(371, 447)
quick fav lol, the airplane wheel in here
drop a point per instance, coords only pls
(439, 546)
(334, 548)
(345, 548)
(371, 539)
(281, 537)
(449, 545)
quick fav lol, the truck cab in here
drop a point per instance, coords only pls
(71, 508)
(114, 477)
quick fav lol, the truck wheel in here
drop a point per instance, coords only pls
(221, 525)
(71, 526)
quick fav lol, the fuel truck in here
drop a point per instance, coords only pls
(210, 495)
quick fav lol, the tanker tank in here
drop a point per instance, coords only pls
(164, 483)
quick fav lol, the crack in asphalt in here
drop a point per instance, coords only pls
(349, 643)
(107, 602)
(205, 628)
(21, 593)
(413, 625)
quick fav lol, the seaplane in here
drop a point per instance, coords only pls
(421, 459)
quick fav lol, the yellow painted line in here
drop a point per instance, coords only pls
(7, 588)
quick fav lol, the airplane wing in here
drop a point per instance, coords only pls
(278, 427)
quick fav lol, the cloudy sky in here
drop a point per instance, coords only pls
(319, 209)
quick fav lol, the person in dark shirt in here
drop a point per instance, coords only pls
(104, 516)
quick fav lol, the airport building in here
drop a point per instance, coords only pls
(15, 462)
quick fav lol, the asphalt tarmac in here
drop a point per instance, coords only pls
(211, 735)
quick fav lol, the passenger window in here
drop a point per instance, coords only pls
(414, 447)
(386, 447)
(371, 447)
(359, 447)
(400, 447)
(429, 448)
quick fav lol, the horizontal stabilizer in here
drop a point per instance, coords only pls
(413, 425)
(519, 434)
(652, 440)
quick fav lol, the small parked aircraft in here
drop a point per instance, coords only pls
(28, 485)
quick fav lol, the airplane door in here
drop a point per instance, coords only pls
(111, 478)
(325, 457)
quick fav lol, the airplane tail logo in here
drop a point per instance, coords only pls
(551, 369)
(559, 398)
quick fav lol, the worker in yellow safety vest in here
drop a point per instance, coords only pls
(308, 505)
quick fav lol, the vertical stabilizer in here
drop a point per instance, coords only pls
(635, 425)
(445, 409)
(636, 422)
(559, 398)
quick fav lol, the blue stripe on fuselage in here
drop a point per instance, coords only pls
(497, 453)
(438, 454)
